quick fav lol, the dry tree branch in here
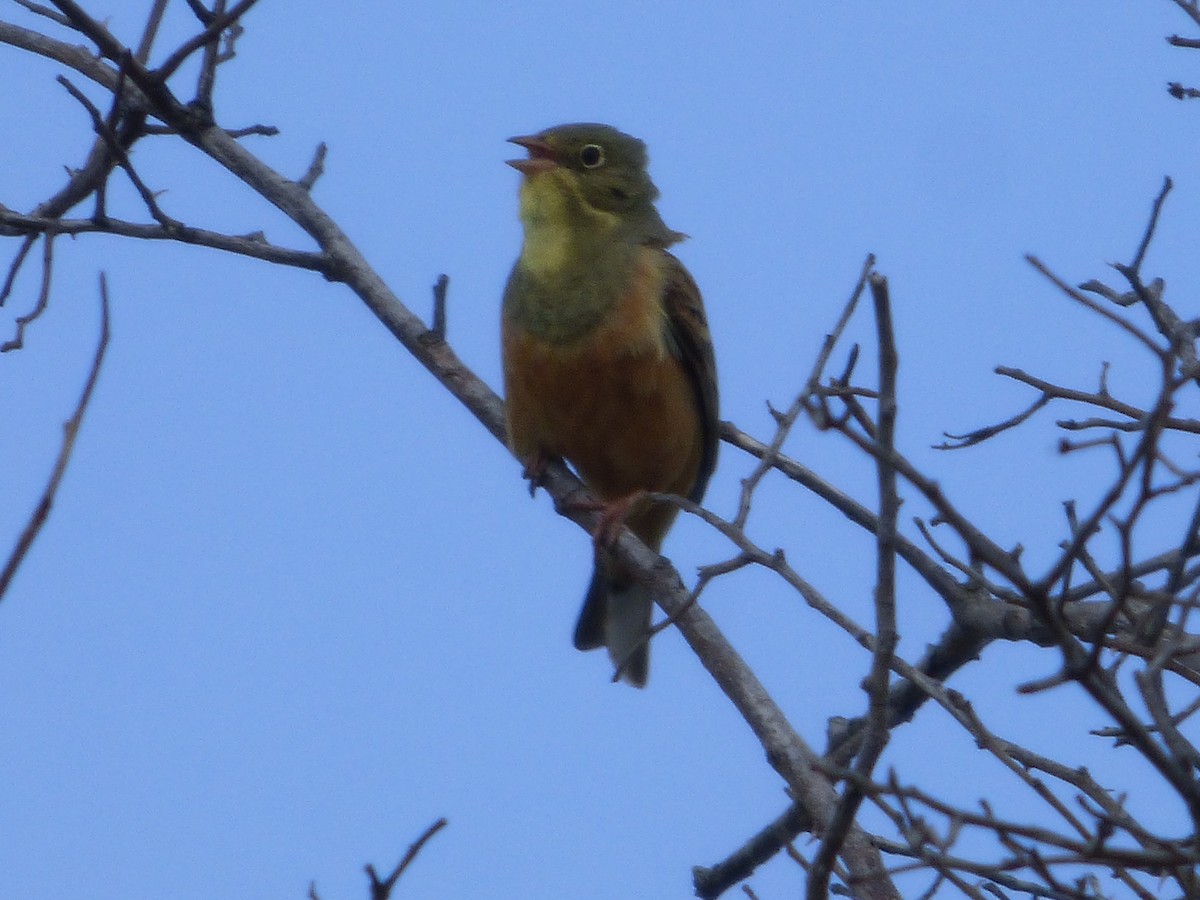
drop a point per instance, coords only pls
(1102, 311)
(251, 245)
(18, 258)
(1169, 856)
(1190, 8)
(1148, 234)
(70, 432)
(1018, 760)
(1050, 391)
(315, 169)
(150, 32)
(933, 574)
(1180, 335)
(875, 732)
(218, 23)
(710, 882)
(438, 325)
(1174, 88)
(787, 751)
(38, 10)
(104, 128)
(983, 547)
(1138, 416)
(979, 435)
(17, 341)
(209, 59)
(200, 11)
(787, 420)
(381, 889)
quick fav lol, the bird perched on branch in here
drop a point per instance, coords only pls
(608, 362)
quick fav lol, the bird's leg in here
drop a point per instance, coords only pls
(613, 514)
(535, 470)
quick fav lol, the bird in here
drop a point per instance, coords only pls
(608, 360)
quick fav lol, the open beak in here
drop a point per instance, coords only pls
(541, 155)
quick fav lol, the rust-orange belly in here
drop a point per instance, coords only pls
(616, 404)
(625, 422)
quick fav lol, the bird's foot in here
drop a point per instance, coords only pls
(535, 470)
(612, 517)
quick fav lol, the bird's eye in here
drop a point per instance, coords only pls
(592, 156)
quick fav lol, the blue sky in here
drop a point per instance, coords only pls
(293, 603)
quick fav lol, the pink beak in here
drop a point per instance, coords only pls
(541, 155)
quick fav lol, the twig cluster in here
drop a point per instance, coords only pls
(1120, 630)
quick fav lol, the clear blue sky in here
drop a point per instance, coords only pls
(294, 603)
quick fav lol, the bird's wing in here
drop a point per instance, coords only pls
(689, 339)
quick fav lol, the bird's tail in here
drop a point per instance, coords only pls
(616, 615)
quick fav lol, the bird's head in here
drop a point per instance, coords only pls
(589, 176)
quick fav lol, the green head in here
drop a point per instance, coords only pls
(590, 178)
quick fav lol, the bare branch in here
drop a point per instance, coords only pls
(979, 435)
(1051, 391)
(207, 79)
(1148, 234)
(316, 168)
(787, 420)
(1091, 304)
(439, 307)
(153, 21)
(18, 258)
(18, 340)
(252, 245)
(70, 432)
(381, 889)
(1190, 8)
(38, 9)
(1177, 90)
(875, 734)
(212, 32)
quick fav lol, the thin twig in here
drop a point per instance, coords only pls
(439, 306)
(70, 432)
(315, 169)
(211, 32)
(1148, 234)
(1095, 307)
(38, 9)
(18, 259)
(252, 245)
(120, 154)
(979, 435)
(875, 736)
(209, 58)
(153, 21)
(18, 339)
(382, 889)
(200, 11)
(785, 421)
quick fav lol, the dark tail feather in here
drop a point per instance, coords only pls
(617, 616)
(589, 630)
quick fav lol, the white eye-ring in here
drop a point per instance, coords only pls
(592, 156)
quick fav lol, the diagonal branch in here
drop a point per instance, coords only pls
(70, 431)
